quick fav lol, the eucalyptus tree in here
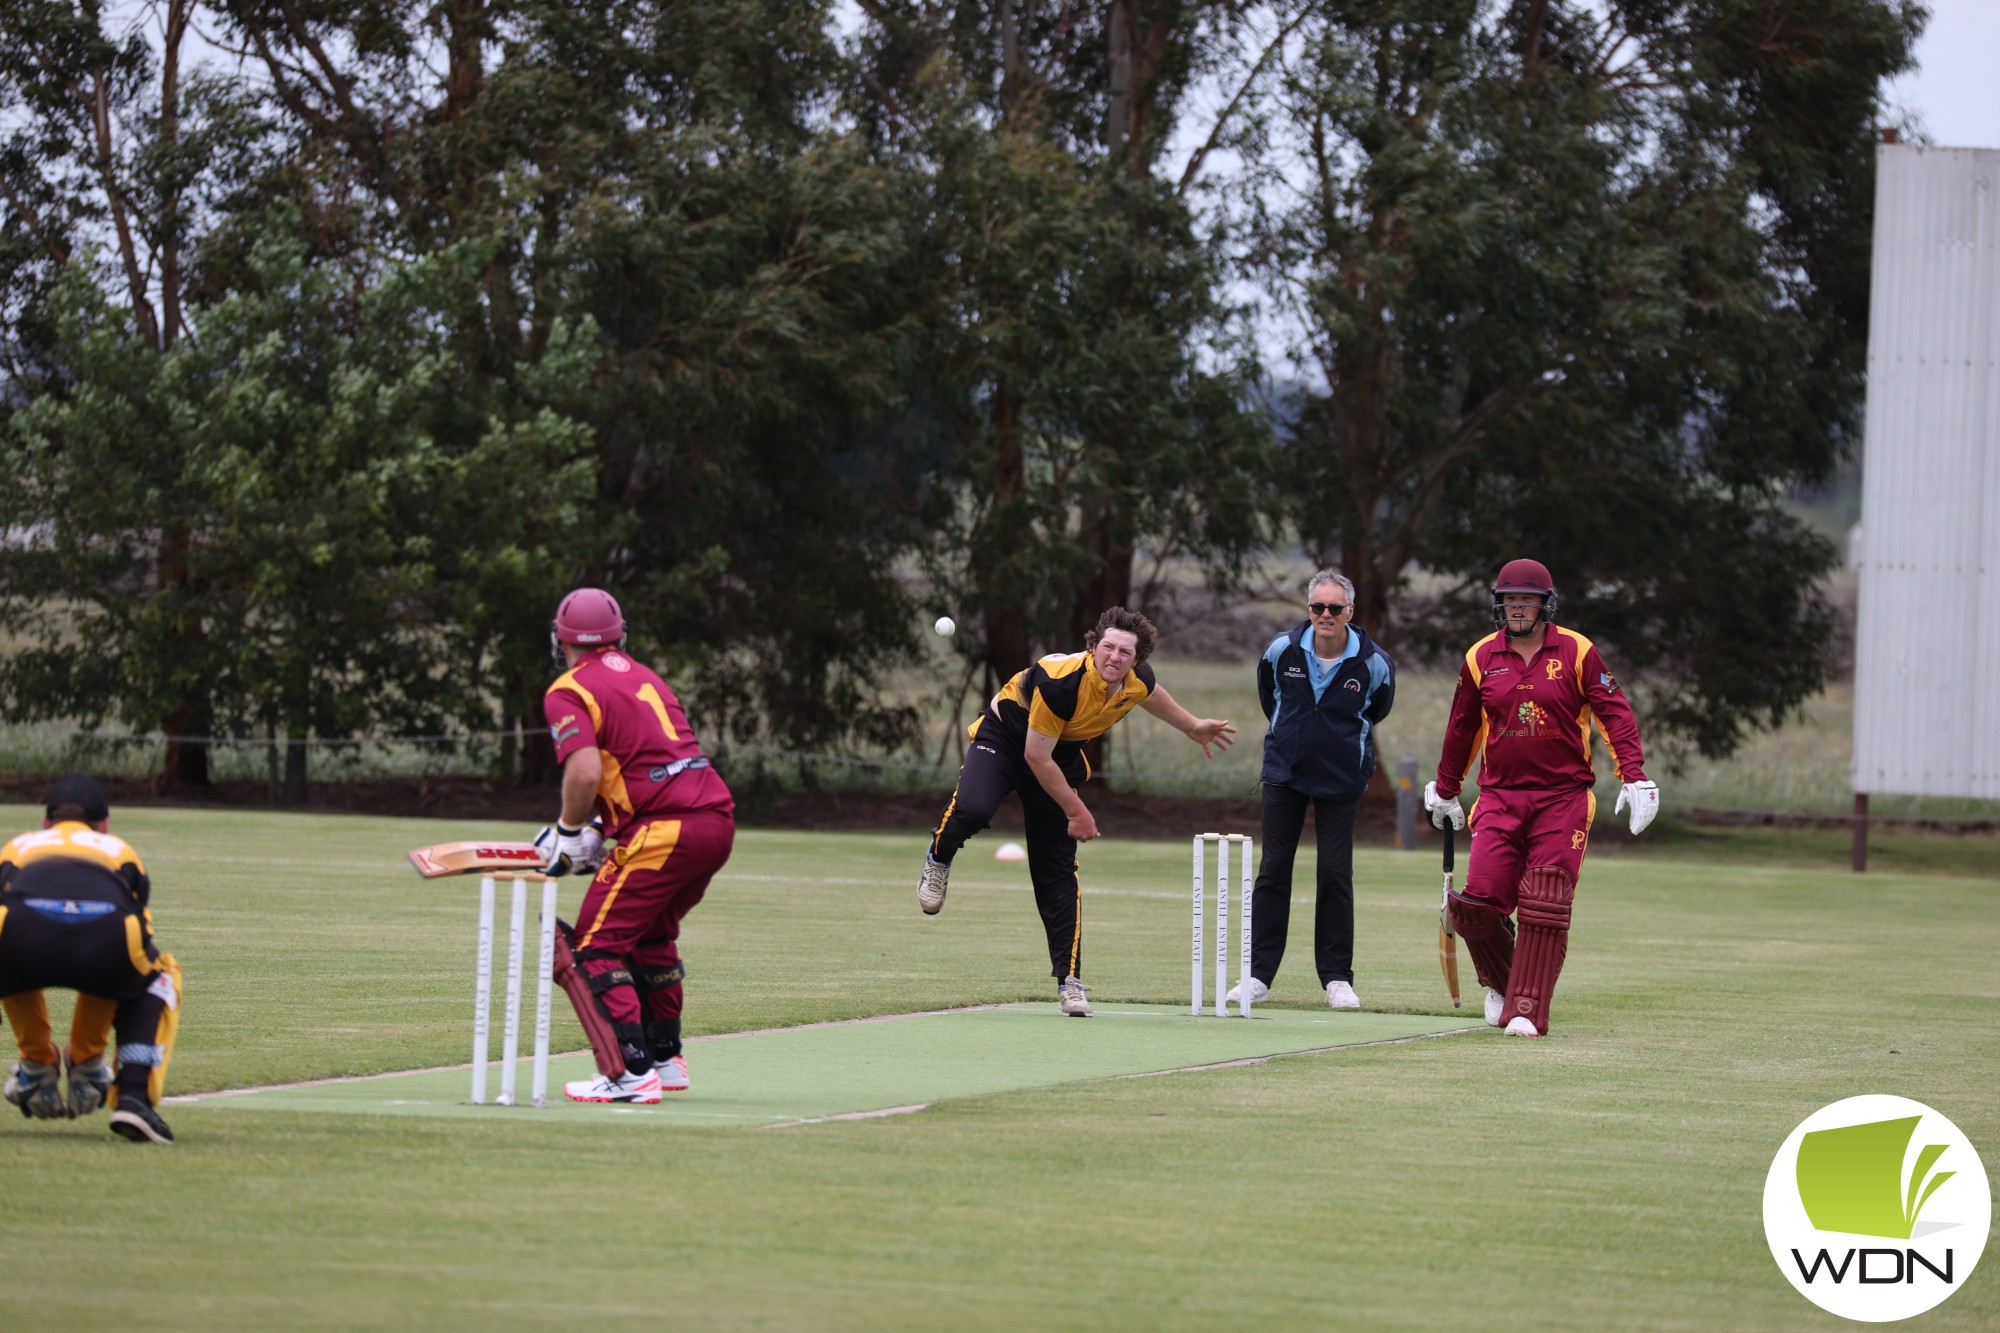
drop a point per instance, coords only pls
(1586, 281)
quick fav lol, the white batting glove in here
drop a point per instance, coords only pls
(567, 850)
(1644, 798)
(1442, 810)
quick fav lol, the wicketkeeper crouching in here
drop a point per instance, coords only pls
(73, 914)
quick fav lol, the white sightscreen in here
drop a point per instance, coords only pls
(1927, 634)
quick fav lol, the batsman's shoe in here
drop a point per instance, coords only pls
(1070, 993)
(672, 1073)
(930, 886)
(1340, 995)
(636, 1089)
(1523, 1026)
(1496, 1005)
(1259, 993)
(139, 1122)
(89, 1086)
(37, 1089)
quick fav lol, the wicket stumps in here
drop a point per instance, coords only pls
(482, 1000)
(1247, 848)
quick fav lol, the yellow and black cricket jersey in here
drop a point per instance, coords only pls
(1061, 696)
(72, 874)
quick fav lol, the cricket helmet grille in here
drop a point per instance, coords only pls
(588, 618)
(1523, 576)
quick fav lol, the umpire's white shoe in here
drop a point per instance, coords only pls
(636, 1089)
(1259, 993)
(1070, 993)
(37, 1089)
(672, 1073)
(1340, 995)
(1496, 1005)
(930, 886)
(1523, 1026)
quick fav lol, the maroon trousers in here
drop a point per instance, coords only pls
(634, 907)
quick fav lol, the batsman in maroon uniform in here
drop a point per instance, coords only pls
(628, 753)
(1528, 697)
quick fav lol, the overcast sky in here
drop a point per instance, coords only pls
(1956, 96)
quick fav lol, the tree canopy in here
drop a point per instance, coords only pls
(339, 339)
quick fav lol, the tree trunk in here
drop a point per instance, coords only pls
(296, 754)
(538, 751)
(185, 767)
(1005, 616)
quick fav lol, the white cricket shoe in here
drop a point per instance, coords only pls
(1259, 993)
(1071, 995)
(1340, 995)
(673, 1074)
(930, 886)
(636, 1089)
(1522, 1026)
(1496, 1006)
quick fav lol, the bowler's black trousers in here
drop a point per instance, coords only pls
(988, 775)
(1271, 903)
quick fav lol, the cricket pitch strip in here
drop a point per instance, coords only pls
(893, 1064)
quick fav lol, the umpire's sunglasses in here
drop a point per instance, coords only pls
(1326, 608)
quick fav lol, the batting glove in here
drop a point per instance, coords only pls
(1442, 809)
(567, 850)
(1644, 798)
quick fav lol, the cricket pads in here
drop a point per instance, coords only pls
(1546, 895)
(1483, 927)
(596, 1023)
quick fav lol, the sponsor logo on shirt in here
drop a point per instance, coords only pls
(1351, 684)
(617, 662)
(1608, 681)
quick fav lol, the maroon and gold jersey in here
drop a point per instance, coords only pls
(652, 763)
(1532, 720)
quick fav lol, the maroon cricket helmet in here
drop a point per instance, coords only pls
(587, 618)
(1524, 576)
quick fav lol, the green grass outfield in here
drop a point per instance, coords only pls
(1610, 1177)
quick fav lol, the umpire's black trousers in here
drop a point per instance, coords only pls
(1271, 903)
(988, 775)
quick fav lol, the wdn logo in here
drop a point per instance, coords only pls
(1876, 1208)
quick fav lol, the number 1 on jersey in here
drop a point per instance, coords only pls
(652, 696)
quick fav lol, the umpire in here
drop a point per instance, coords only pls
(1323, 686)
(73, 915)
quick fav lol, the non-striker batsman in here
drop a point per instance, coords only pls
(1529, 694)
(628, 755)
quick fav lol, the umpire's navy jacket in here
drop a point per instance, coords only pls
(1321, 741)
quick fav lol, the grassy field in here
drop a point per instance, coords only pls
(1608, 1177)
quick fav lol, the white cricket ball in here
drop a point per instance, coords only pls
(945, 625)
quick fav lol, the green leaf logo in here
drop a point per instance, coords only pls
(1851, 1178)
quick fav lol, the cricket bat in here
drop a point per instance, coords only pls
(1448, 942)
(522, 859)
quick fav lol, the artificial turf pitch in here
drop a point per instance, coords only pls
(1609, 1177)
(862, 1067)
